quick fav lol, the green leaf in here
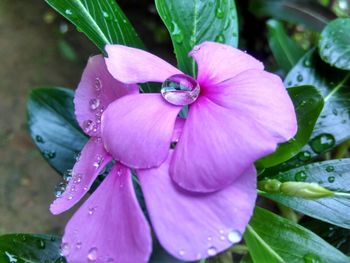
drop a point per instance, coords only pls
(286, 51)
(333, 126)
(292, 242)
(334, 45)
(193, 22)
(307, 12)
(30, 248)
(308, 104)
(259, 250)
(102, 21)
(53, 126)
(332, 175)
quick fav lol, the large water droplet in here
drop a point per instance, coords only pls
(234, 236)
(67, 175)
(300, 176)
(330, 168)
(94, 103)
(331, 179)
(176, 33)
(180, 90)
(311, 258)
(322, 142)
(212, 251)
(92, 256)
(65, 249)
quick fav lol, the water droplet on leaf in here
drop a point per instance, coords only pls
(331, 179)
(330, 168)
(300, 176)
(220, 38)
(219, 12)
(322, 142)
(180, 90)
(304, 156)
(39, 139)
(176, 33)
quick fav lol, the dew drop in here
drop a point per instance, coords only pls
(311, 258)
(39, 139)
(41, 244)
(78, 245)
(92, 256)
(107, 16)
(219, 12)
(176, 33)
(304, 156)
(65, 249)
(70, 197)
(330, 168)
(234, 236)
(180, 90)
(88, 125)
(67, 175)
(77, 178)
(212, 251)
(98, 161)
(307, 63)
(98, 85)
(181, 252)
(94, 104)
(331, 179)
(300, 176)
(68, 12)
(220, 38)
(91, 210)
(300, 78)
(210, 238)
(59, 189)
(322, 142)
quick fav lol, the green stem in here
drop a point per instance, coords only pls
(239, 249)
(288, 213)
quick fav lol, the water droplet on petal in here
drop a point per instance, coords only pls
(68, 12)
(67, 175)
(180, 90)
(92, 256)
(88, 125)
(59, 189)
(91, 210)
(78, 245)
(210, 238)
(98, 161)
(98, 85)
(94, 104)
(65, 249)
(181, 252)
(234, 236)
(77, 178)
(212, 251)
(300, 176)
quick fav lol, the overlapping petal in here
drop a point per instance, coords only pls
(218, 62)
(194, 226)
(93, 159)
(110, 225)
(262, 98)
(216, 146)
(96, 90)
(137, 129)
(132, 65)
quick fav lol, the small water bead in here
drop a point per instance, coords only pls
(210, 238)
(92, 256)
(60, 188)
(65, 249)
(88, 125)
(234, 236)
(70, 197)
(220, 38)
(176, 33)
(98, 85)
(330, 168)
(98, 161)
(78, 245)
(41, 244)
(219, 12)
(311, 258)
(212, 251)
(180, 90)
(67, 175)
(77, 178)
(331, 179)
(181, 252)
(300, 78)
(322, 142)
(300, 176)
(39, 139)
(304, 156)
(94, 103)
(91, 210)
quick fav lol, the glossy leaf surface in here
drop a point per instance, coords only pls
(333, 175)
(334, 44)
(292, 242)
(193, 22)
(53, 127)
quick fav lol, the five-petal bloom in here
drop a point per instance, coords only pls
(237, 114)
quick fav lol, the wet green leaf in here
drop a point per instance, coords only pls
(290, 241)
(53, 127)
(286, 51)
(308, 104)
(102, 21)
(30, 248)
(306, 12)
(193, 22)
(334, 44)
(333, 175)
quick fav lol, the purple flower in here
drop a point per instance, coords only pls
(238, 113)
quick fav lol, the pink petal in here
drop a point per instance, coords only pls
(262, 98)
(219, 62)
(93, 159)
(137, 129)
(110, 225)
(216, 146)
(132, 65)
(96, 90)
(195, 226)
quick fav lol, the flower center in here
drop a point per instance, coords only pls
(180, 90)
